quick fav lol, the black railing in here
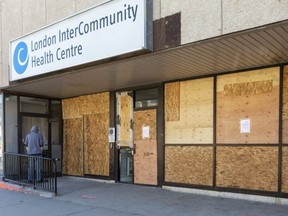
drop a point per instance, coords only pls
(35, 171)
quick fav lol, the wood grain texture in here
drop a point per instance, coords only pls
(172, 101)
(126, 107)
(73, 147)
(96, 145)
(285, 107)
(96, 134)
(195, 125)
(145, 162)
(71, 108)
(253, 168)
(189, 165)
(85, 105)
(145, 157)
(255, 97)
(285, 169)
(146, 118)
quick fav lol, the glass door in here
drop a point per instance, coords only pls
(124, 135)
(43, 125)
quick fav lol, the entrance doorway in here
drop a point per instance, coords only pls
(21, 113)
(43, 125)
(136, 137)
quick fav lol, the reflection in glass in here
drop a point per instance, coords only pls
(11, 125)
(34, 105)
(146, 98)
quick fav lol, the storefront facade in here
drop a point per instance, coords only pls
(190, 95)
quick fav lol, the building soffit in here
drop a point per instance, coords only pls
(262, 46)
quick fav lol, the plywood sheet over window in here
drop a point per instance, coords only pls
(195, 122)
(252, 97)
(96, 145)
(73, 147)
(172, 101)
(285, 170)
(124, 119)
(285, 107)
(189, 165)
(95, 108)
(254, 168)
(85, 105)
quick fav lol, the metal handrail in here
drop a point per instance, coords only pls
(35, 171)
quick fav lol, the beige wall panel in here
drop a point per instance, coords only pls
(96, 145)
(239, 15)
(285, 107)
(254, 168)
(219, 17)
(57, 10)
(72, 108)
(31, 10)
(195, 16)
(172, 101)
(196, 114)
(189, 165)
(285, 169)
(125, 114)
(73, 147)
(146, 118)
(250, 95)
(11, 28)
(85, 4)
(145, 162)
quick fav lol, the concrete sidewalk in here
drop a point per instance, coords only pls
(79, 196)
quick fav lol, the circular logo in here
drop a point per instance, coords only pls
(20, 58)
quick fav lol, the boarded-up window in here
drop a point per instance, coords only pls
(86, 145)
(248, 107)
(189, 112)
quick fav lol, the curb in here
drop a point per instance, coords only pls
(26, 190)
(7, 186)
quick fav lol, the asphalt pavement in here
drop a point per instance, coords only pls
(78, 196)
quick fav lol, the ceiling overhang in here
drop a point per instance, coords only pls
(263, 46)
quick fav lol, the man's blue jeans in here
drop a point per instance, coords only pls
(34, 170)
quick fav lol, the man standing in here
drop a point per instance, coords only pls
(34, 147)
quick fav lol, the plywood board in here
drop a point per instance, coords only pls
(85, 105)
(285, 169)
(124, 119)
(96, 145)
(96, 103)
(189, 165)
(253, 96)
(195, 125)
(73, 147)
(254, 168)
(172, 101)
(145, 162)
(71, 108)
(145, 119)
(285, 107)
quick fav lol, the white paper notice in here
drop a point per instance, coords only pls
(145, 132)
(245, 126)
